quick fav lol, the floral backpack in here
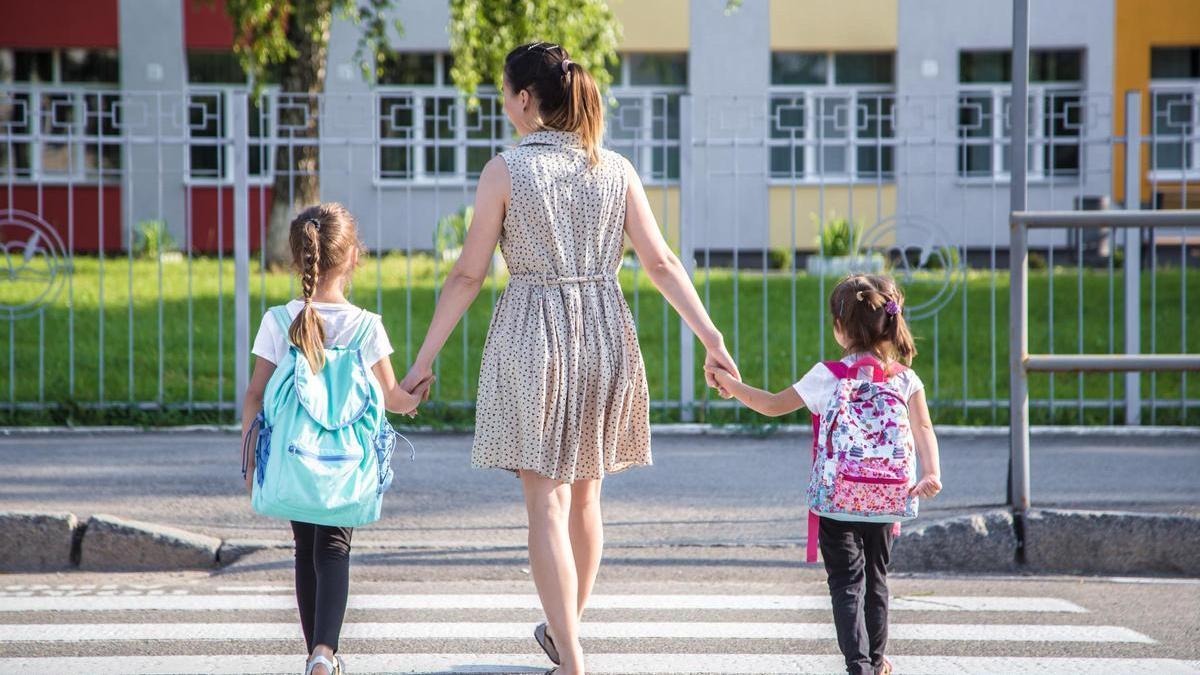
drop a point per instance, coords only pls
(863, 451)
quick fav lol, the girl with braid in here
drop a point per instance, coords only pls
(325, 251)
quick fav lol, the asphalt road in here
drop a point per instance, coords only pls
(702, 490)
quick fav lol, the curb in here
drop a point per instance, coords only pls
(989, 542)
(673, 429)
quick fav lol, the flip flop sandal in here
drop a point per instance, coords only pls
(315, 661)
(543, 639)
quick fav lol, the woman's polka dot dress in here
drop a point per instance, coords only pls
(562, 387)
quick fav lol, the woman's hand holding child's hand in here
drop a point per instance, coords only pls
(417, 394)
(927, 487)
(722, 378)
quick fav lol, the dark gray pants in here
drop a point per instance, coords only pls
(856, 558)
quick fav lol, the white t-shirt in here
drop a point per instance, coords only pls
(818, 384)
(341, 321)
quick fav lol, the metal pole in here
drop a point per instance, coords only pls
(241, 248)
(687, 341)
(1018, 477)
(1133, 253)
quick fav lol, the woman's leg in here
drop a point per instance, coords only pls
(548, 503)
(331, 558)
(306, 580)
(587, 536)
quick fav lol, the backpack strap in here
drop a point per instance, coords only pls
(283, 318)
(365, 325)
(814, 522)
(840, 370)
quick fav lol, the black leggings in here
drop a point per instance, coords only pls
(856, 558)
(322, 581)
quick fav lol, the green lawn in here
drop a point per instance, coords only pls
(964, 347)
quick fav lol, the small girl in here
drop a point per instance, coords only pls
(325, 250)
(867, 322)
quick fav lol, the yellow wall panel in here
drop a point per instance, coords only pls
(798, 208)
(1142, 24)
(817, 25)
(664, 202)
(652, 25)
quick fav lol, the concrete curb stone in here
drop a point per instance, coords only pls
(1112, 542)
(112, 543)
(36, 541)
(978, 542)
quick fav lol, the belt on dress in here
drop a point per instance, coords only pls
(551, 280)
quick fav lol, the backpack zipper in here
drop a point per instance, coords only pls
(297, 450)
(875, 479)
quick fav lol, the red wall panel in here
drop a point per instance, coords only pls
(59, 23)
(212, 217)
(206, 25)
(84, 220)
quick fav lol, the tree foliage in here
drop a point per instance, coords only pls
(483, 31)
(270, 35)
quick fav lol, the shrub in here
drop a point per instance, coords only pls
(840, 237)
(152, 238)
(451, 230)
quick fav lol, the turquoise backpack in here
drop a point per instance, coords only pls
(324, 449)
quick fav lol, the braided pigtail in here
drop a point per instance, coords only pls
(307, 331)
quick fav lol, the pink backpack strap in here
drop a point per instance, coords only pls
(814, 523)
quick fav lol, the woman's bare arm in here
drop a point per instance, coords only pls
(469, 271)
(669, 275)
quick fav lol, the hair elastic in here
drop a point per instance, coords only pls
(566, 64)
(892, 307)
(316, 223)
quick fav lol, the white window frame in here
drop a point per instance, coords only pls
(1177, 86)
(645, 144)
(76, 138)
(225, 93)
(814, 95)
(421, 95)
(1038, 139)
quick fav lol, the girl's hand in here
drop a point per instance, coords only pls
(416, 396)
(718, 357)
(417, 381)
(927, 487)
(723, 379)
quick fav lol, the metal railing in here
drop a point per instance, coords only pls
(741, 185)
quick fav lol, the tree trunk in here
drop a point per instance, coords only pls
(295, 112)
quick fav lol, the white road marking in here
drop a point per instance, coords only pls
(632, 664)
(596, 630)
(234, 602)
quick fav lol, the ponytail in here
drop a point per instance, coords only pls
(322, 240)
(308, 329)
(567, 94)
(581, 110)
(869, 310)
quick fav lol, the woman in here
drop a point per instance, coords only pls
(562, 397)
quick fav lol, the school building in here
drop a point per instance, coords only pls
(749, 127)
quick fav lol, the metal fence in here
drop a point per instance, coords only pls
(104, 312)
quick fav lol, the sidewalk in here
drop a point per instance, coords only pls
(703, 490)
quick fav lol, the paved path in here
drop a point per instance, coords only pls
(703, 490)
(760, 613)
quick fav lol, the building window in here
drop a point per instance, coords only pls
(427, 133)
(1055, 113)
(832, 116)
(60, 114)
(213, 77)
(1175, 110)
(643, 125)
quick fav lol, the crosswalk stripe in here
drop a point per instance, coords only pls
(597, 630)
(632, 664)
(232, 602)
